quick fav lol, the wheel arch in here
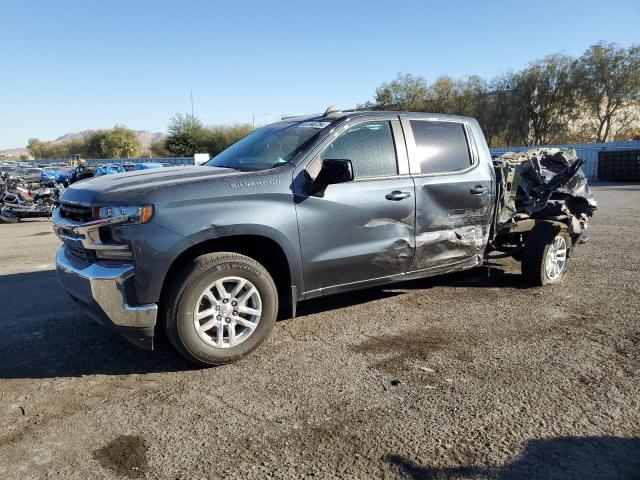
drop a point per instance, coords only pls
(263, 249)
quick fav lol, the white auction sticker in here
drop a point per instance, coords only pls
(314, 124)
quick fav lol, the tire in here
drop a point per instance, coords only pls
(187, 297)
(536, 268)
(7, 217)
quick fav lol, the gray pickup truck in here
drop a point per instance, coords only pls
(302, 208)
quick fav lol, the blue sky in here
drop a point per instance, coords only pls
(71, 66)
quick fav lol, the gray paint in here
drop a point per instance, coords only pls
(452, 223)
(350, 238)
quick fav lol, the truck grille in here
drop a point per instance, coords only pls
(77, 213)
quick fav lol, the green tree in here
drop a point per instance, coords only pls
(442, 96)
(159, 148)
(545, 98)
(75, 146)
(219, 137)
(186, 135)
(558, 99)
(609, 87)
(406, 92)
(36, 148)
(47, 150)
(120, 142)
(93, 144)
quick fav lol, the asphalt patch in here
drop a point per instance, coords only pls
(405, 347)
(126, 455)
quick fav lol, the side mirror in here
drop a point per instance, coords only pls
(327, 173)
(334, 171)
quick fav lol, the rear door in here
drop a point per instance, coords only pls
(361, 230)
(454, 190)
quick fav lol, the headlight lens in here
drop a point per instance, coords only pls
(141, 214)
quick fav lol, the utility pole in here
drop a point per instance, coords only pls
(191, 103)
(253, 119)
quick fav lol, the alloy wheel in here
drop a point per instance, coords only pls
(556, 258)
(227, 312)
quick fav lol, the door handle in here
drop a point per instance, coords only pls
(478, 189)
(397, 195)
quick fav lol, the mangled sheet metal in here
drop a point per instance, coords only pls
(543, 183)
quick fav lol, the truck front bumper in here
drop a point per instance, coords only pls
(101, 289)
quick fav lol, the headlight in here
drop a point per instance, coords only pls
(140, 214)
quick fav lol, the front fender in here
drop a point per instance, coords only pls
(282, 238)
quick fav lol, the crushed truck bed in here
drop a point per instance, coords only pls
(542, 183)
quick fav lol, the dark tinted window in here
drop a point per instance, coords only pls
(440, 146)
(370, 148)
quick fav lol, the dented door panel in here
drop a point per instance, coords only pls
(354, 233)
(451, 223)
(453, 210)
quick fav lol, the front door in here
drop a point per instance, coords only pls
(362, 229)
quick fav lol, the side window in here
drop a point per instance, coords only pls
(370, 148)
(440, 146)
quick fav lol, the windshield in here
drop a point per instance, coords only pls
(268, 146)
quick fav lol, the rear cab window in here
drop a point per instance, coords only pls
(440, 146)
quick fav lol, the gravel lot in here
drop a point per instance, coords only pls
(460, 376)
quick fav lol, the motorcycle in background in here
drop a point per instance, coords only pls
(18, 202)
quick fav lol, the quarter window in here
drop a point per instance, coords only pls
(440, 146)
(370, 148)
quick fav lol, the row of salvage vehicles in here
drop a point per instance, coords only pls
(19, 199)
(36, 195)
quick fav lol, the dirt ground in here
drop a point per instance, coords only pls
(468, 375)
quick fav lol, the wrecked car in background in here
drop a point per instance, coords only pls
(109, 169)
(307, 207)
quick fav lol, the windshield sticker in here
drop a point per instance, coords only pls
(314, 124)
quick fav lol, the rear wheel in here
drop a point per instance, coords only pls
(545, 255)
(220, 307)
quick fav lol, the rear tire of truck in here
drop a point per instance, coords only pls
(545, 255)
(219, 308)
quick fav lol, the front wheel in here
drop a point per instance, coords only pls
(545, 255)
(220, 307)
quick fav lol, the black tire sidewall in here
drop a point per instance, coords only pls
(188, 338)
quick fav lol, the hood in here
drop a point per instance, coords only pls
(130, 187)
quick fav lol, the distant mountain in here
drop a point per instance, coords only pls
(143, 137)
(14, 152)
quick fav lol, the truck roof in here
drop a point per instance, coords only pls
(339, 114)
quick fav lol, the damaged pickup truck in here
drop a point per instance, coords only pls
(306, 207)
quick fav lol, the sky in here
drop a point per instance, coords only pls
(77, 65)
